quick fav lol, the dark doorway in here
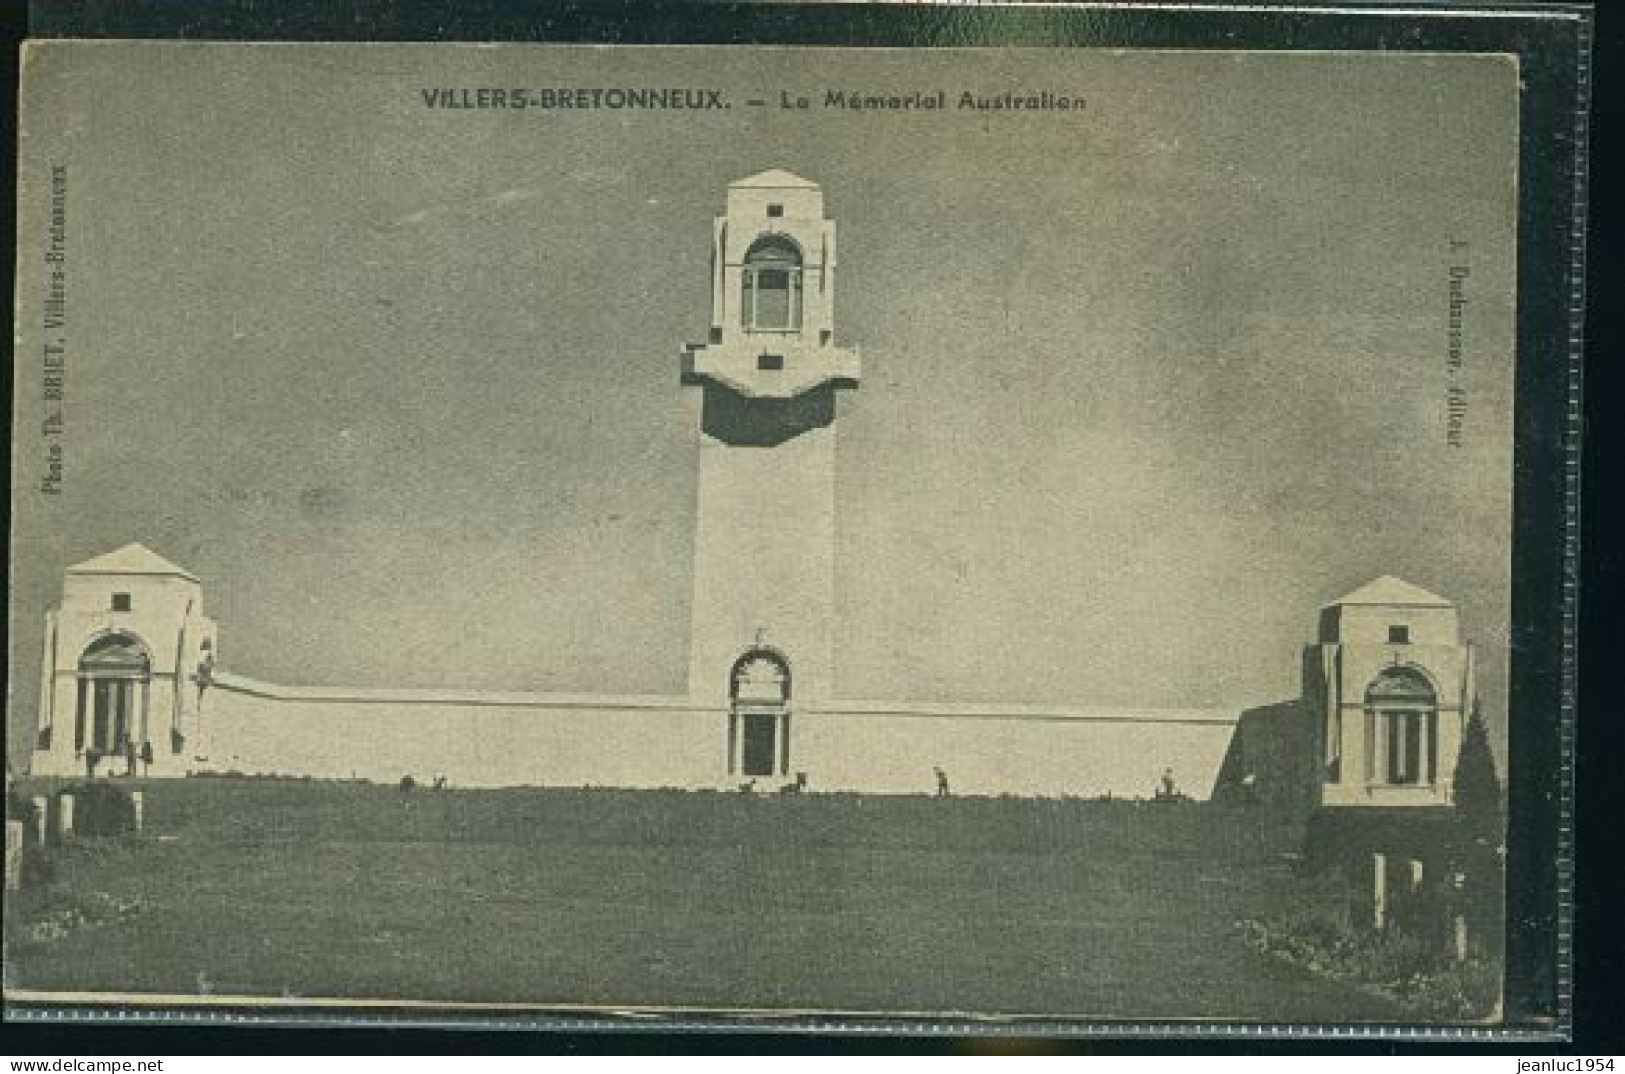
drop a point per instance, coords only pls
(758, 752)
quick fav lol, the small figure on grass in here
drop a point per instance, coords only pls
(130, 756)
(942, 783)
(1167, 789)
(146, 758)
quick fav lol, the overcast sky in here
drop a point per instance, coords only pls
(1144, 386)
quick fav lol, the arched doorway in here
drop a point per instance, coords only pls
(1402, 728)
(759, 714)
(115, 676)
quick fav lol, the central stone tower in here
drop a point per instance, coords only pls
(764, 556)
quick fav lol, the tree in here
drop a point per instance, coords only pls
(1478, 788)
(1481, 826)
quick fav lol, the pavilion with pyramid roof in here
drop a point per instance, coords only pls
(126, 656)
(1391, 684)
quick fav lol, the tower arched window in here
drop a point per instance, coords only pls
(111, 714)
(1402, 714)
(770, 296)
(760, 676)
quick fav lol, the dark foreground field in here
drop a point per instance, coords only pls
(1063, 908)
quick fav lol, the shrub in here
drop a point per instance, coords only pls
(1470, 991)
(1324, 936)
(36, 865)
(102, 809)
(23, 809)
(1393, 957)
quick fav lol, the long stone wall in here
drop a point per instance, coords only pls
(471, 738)
(504, 739)
(989, 749)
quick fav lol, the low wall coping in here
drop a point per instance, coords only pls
(364, 695)
(671, 703)
(991, 711)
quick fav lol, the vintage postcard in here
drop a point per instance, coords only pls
(978, 533)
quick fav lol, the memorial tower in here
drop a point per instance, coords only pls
(764, 556)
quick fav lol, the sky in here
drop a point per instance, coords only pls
(1144, 385)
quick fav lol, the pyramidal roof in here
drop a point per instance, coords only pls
(131, 559)
(777, 178)
(1391, 590)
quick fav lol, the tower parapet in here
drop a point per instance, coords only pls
(772, 295)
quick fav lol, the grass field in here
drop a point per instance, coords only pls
(815, 902)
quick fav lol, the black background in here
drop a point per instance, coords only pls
(1552, 89)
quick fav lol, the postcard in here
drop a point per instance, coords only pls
(1004, 533)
